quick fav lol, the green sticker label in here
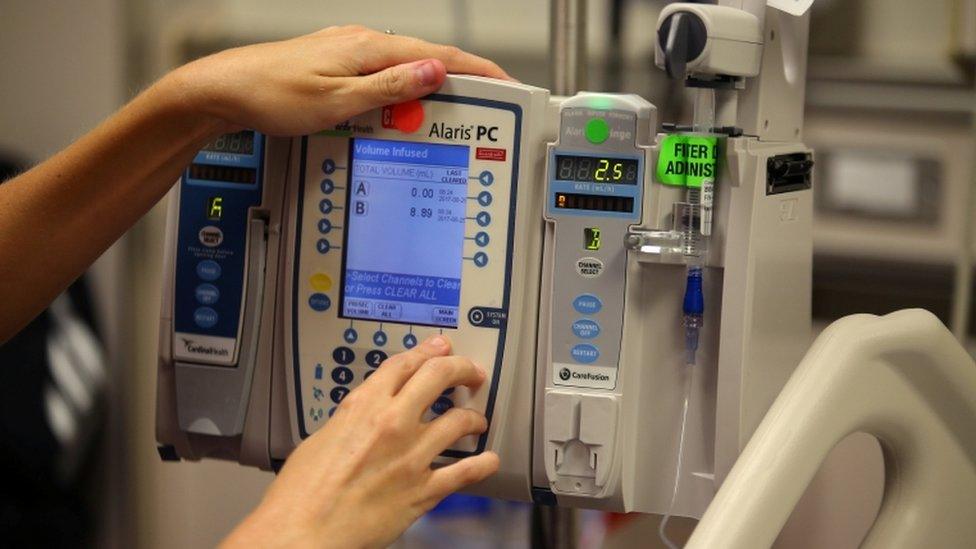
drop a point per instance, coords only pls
(687, 160)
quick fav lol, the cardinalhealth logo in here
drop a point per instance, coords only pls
(209, 350)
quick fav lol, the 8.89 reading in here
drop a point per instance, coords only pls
(422, 212)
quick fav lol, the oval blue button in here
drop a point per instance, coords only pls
(205, 317)
(208, 270)
(319, 302)
(584, 353)
(207, 294)
(441, 405)
(587, 304)
(585, 328)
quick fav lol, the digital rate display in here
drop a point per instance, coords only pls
(622, 171)
(241, 142)
(405, 232)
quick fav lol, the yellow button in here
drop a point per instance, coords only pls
(321, 282)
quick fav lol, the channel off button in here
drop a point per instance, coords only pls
(585, 328)
(584, 353)
(587, 304)
(207, 294)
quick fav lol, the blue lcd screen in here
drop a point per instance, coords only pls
(405, 232)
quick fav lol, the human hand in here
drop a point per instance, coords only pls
(309, 83)
(365, 476)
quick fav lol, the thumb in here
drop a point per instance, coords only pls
(400, 83)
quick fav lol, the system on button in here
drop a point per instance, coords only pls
(587, 304)
(208, 270)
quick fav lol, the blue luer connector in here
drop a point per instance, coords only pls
(694, 303)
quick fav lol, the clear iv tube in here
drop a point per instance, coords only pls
(688, 372)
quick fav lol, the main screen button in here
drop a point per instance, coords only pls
(205, 317)
(207, 294)
(208, 270)
(343, 355)
(584, 353)
(587, 304)
(319, 302)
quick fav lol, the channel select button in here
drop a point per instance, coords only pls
(319, 302)
(211, 236)
(205, 317)
(585, 328)
(584, 353)
(587, 304)
(208, 270)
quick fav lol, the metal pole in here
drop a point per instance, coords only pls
(567, 46)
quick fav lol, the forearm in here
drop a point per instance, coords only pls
(60, 216)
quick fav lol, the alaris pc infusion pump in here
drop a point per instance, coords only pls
(578, 255)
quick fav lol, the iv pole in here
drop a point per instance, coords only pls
(554, 527)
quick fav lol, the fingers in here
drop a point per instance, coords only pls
(450, 479)
(436, 375)
(395, 85)
(387, 50)
(396, 370)
(444, 431)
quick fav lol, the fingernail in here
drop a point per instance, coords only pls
(426, 73)
(437, 341)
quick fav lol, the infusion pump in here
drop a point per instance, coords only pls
(520, 225)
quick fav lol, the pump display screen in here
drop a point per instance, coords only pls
(235, 143)
(405, 232)
(622, 171)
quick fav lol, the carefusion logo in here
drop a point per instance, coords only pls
(578, 375)
(199, 349)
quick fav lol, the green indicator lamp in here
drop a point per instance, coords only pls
(597, 130)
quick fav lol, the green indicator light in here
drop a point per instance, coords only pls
(597, 131)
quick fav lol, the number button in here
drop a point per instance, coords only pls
(342, 375)
(338, 393)
(441, 405)
(375, 358)
(343, 355)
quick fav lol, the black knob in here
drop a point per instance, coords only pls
(682, 37)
